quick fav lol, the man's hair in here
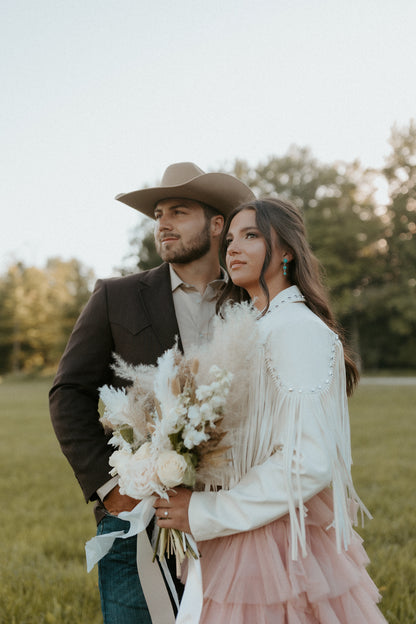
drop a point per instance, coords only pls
(209, 211)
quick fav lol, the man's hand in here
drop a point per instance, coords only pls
(115, 502)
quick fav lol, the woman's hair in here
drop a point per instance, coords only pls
(303, 270)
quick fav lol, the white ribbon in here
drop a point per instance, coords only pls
(154, 589)
(139, 517)
(191, 603)
(151, 578)
(153, 586)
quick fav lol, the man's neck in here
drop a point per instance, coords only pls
(198, 273)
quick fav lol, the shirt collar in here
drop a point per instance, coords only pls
(176, 281)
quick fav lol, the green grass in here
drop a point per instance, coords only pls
(383, 424)
(45, 522)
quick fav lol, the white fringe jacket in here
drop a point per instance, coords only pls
(295, 437)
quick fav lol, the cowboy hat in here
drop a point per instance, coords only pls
(187, 181)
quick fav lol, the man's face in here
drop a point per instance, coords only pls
(182, 232)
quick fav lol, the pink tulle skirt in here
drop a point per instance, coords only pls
(250, 578)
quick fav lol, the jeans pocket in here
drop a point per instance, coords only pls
(110, 523)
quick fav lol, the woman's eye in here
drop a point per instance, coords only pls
(251, 235)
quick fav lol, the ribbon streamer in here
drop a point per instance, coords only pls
(151, 577)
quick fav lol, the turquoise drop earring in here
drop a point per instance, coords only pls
(285, 266)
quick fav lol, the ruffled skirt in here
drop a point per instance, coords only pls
(250, 578)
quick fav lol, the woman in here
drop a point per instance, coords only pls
(278, 546)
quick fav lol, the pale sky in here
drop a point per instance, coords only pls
(98, 97)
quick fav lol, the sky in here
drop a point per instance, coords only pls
(98, 97)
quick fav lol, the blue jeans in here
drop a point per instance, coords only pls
(122, 599)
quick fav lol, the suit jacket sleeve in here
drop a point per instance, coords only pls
(84, 367)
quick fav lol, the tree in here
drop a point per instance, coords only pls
(37, 311)
(142, 254)
(391, 331)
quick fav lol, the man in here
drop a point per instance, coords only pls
(139, 317)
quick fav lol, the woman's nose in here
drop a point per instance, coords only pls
(232, 248)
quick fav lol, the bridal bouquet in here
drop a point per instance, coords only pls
(168, 430)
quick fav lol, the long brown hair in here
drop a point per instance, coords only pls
(304, 269)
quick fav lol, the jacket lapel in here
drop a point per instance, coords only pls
(155, 291)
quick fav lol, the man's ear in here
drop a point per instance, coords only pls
(217, 224)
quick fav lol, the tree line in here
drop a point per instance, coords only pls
(361, 225)
(38, 308)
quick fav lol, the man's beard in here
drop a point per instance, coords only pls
(198, 247)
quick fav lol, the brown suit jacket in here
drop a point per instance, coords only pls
(132, 316)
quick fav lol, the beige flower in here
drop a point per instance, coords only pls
(170, 468)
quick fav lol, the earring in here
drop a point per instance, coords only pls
(284, 267)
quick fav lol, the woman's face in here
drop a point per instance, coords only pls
(246, 251)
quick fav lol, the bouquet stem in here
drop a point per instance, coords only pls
(173, 542)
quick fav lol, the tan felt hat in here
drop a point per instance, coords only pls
(186, 180)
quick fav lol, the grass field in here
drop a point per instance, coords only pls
(45, 523)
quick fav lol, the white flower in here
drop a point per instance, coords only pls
(217, 402)
(119, 460)
(192, 437)
(216, 371)
(144, 451)
(194, 415)
(170, 468)
(203, 392)
(180, 409)
(116, 404)
(118, 441)
(206, 411)
(137, 472)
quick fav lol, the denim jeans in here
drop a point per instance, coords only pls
(122, 599)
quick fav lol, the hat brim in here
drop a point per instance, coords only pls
(219, 190)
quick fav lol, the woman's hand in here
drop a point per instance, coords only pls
(173, 514)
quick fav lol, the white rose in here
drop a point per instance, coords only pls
(136, 471)
(139, 478)
(119, 461)
(170, 468)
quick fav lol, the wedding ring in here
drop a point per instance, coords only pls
(166, 514)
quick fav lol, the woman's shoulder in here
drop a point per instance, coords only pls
(294, 315)
(302, 349)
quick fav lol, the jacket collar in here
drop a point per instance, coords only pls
(288, 295)
(156, 293)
